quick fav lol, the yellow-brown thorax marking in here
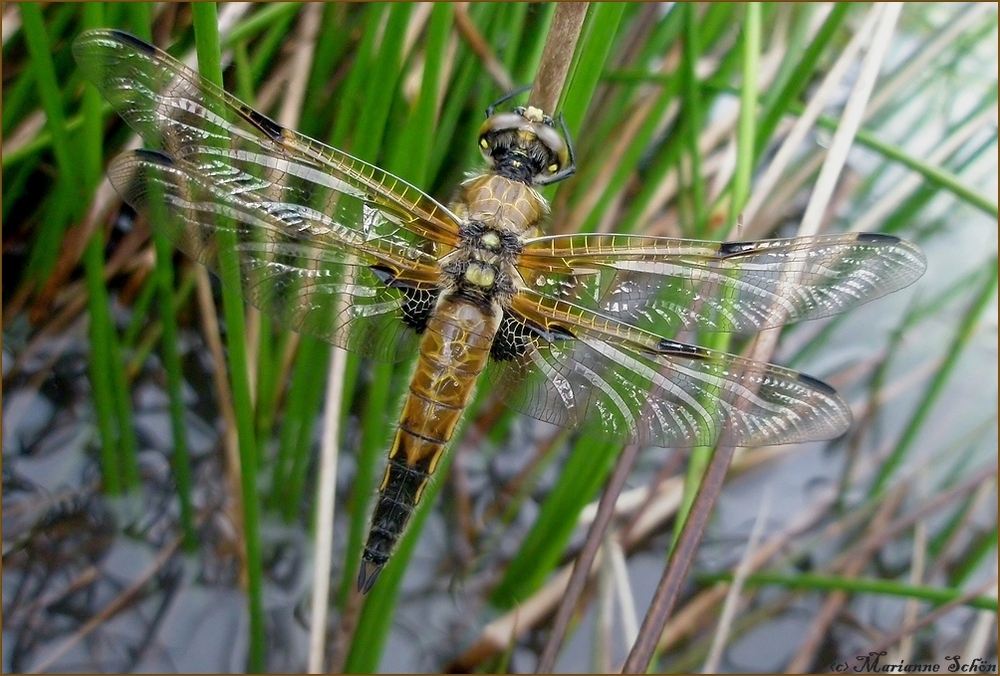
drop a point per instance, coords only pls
(480, 281)
(457, 341)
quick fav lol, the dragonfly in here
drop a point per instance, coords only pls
(574, 329)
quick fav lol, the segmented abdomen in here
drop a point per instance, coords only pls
(453, 353)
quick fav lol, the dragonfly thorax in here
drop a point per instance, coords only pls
(482, 267)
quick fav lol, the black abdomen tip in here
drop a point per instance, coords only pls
(367, 574)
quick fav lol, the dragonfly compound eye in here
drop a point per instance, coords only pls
(524, 145)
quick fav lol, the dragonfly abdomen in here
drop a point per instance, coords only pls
(453, 352)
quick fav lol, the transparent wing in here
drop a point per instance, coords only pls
(296, 264)
(308, 221)
(666, 285)
(582, 370)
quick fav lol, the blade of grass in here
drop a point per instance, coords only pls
(691, 118)
(325, 507)
(209, 62)
(583, 563)
(815, 582)
(921, 416)
(745, 150)
(376, 617)
(44, 75)
(776, 100)
(935, 175)
(268, 16)
(411, 156)
(584, 471)
(68, 193)
(850, 122)
(709, 481)
(790, 146)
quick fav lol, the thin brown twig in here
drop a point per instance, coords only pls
(481, 48)
(585, 561)
(724, 628)
(669, 587)
(931, 617)
(112, 609)
(847, 564)
(213, 337)
(557, 55)
(832, 605)
(499, 634)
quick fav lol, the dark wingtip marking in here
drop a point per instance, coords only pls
(264, 123)
(877, 237)
(559, 332)
(384, 274)
(817, 384)
(367, 574)
(550, 334)
(667, 346)
(154, 156)
(727, 249)
(133, 41)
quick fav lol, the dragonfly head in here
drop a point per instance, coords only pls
(525, 145)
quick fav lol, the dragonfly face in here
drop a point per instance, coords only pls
(571, 329)
(525, 146)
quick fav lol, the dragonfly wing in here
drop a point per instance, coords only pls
(294, 264)
(666, 285)
(308, 221)
(582, 370)
(176, 110)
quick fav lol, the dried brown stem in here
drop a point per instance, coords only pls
(584, 562)
(557, 55)
(669, 588)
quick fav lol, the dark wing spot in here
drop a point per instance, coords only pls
(727, 249)
(264, 123)
(817, 384)
(877, 237)
(515, 336)
(557, 332)
(667, 346)
(418, 304)
(384, 274)
(133, 41)
(154, 157)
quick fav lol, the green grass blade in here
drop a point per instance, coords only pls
(592, 53)
(207, 42)
(141, 21)
(110, 398)
(921, 415)
(776, 102)
(745, 151)
(691, 118)
(583, 473)
(44, 75)
(813, 582)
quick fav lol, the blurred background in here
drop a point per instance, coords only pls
(133, 541)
